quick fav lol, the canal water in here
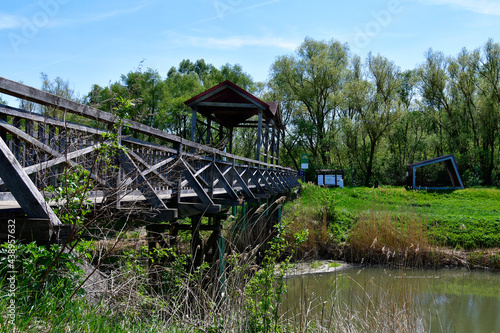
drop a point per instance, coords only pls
(445, 300)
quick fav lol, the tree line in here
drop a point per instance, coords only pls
(345, 111)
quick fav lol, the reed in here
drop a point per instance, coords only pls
(383, 236)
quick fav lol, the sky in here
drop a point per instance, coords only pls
(94, 42)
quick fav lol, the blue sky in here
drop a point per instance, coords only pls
(87, 42)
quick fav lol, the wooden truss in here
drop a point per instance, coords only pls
(168, 176)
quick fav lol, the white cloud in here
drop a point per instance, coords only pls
(236, 42)
(485, 7)
(10, 21)
(95, 17)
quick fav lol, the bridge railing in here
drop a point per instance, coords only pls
(170, 173)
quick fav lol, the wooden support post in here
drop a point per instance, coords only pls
(23, 189)
(278, 146)
(259, 137)
(51, 143)
(273, 144)
(196, 243)
(230, 150)
(211, 178)
(177, 173)
(266, 142)
(193, 125)
(16, 122)
(209, 132)
(29, 154)
(3, 133)
(119, 176)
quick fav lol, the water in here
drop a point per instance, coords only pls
(446, 300)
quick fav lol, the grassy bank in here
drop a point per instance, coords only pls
(388, 225)
(451, 227)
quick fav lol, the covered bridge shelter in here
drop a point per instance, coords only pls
(227, 106)
(451, 167)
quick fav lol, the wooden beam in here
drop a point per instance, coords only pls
(59, 160)
(228, 105)
(264, 180)
(243, 185)
(149, 168)
(196, 186)
(31, 140)
(7, 110)
(195, 173)
(19, 183)
(224, 182)
(144, 186)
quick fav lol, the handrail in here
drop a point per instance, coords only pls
(31, 94)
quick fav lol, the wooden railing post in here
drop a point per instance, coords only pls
(259, 137)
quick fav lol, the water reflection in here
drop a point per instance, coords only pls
(448, 300)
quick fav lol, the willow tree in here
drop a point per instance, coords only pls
(378, 112)
(314, 77)
(489, 111)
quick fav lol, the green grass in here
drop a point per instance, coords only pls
(315, 264)
(466, 219)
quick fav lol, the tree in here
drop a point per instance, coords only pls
(373, 106)
(489, 113)
(314, 78)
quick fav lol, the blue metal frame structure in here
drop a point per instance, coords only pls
(451, 167)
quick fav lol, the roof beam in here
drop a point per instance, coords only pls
(229, 105)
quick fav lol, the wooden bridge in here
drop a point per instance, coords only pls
(136, 171)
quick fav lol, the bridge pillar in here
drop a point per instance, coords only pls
(196, 243)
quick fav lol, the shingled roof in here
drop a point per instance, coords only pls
(229, 105)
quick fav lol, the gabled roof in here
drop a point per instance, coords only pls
(229, 105)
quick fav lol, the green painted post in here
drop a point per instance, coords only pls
(222, 263)
(243, 226)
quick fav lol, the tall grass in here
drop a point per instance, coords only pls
(382, 236)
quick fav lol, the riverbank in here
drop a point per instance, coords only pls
(395, 226)
(316, 267)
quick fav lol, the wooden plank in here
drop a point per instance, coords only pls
(27, 195)
(266, 142)
(141, 143)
